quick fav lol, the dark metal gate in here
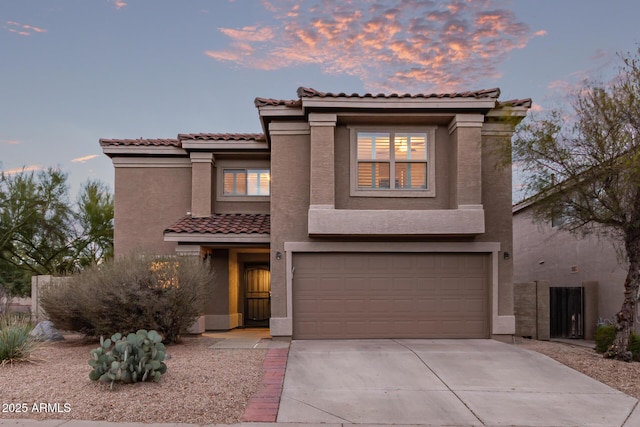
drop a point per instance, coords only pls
(258, 295)
(567, 312)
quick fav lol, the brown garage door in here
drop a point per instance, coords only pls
(381, 295)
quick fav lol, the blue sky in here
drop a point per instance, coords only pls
(75, 71)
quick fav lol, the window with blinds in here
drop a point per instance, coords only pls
(246, 182)
(391, 160)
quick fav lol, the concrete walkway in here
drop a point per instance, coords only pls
(245, 338)
(443, 382)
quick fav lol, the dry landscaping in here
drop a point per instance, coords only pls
(202, 385)
(619, 375)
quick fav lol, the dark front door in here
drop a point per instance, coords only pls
(258, 295)
(567, 312)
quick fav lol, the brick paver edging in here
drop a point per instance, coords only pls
(263, 406)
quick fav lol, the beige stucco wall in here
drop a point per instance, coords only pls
(202, 184)
(544, 253)
(490, 188)
(218, 302)
(496, 200)
(146, 201)
(242, 207)
(290, 195)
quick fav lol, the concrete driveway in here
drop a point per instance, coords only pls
(443, 382)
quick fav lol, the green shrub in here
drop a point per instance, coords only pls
(160, 293)
(605, 335)
(15, 342)
(138, 357)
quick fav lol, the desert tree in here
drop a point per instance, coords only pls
(584, 164)
(95, 224)
(43, 232)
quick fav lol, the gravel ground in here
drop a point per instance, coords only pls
(201, 385)
(619, 375)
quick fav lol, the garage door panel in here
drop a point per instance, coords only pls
(402, 263)
(356, 284)
(380, 306)
(474, 305)
(376, 295)
(331, 306)
(404, 306)
(403, 283)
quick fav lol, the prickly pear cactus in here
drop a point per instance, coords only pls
(136, 357)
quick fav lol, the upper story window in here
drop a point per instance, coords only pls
(246, 182)
(243, 180)
(393, 163)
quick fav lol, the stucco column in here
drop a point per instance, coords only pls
(290, 155)
(497, 203)
(322, 191)
(466, 135)
(201, 184)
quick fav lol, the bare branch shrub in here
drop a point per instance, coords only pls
(161, 293)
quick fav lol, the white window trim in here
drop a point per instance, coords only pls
(430, 191)
(221, 165)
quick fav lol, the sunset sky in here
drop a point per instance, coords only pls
(75, 71)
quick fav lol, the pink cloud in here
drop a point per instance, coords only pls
(119, 4)
(36, 29)
(22, 169)
(22, 29)
(10, 141)
(84, 158)
(251, 34)
(222, 56)
(536, 108)
(391, 45)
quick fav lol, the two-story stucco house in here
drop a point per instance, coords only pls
(352, 216)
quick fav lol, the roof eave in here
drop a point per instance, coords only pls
(216, 237)
(141, 150)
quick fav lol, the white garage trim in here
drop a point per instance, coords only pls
(500, 325)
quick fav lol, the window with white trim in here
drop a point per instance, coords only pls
(246, 182)
(393, 163)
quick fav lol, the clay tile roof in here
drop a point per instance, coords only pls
(263, 102)
(222, 136)
(517, 103)
(304, 92)
(223, 224)
(140, 142)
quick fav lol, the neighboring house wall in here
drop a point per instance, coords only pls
(147, 199)
(545, 253)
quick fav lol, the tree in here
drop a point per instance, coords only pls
(95, 219)
(42, 232)
(586, 167)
